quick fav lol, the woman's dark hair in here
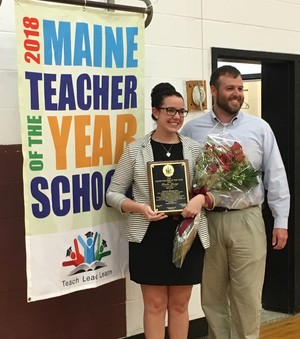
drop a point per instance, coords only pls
(223, 70)
(160, 92)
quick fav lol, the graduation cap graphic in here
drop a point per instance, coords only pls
(69, 251)
(89, 234)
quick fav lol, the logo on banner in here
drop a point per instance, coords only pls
(86, 254)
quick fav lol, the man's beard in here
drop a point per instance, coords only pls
(224, 105)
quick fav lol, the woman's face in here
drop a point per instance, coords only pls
(169, 123)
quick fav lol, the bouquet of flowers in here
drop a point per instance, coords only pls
(223, 168)
(185, 235)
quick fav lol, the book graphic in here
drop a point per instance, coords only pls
(84, 267)
(94, 250)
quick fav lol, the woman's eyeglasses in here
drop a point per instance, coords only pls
(172, 111)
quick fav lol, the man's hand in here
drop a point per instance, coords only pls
(279, 239)
(194, 206)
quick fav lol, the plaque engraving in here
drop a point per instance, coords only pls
(168, 185)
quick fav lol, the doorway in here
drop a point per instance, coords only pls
(280, 107)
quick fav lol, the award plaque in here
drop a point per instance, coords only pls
(168, 185)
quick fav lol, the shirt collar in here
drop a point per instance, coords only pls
(238, 115)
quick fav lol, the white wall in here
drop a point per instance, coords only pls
(10, 132)
(178, 44)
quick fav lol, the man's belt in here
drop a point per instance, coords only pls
(225, 209)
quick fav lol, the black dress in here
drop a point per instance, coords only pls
(150, 262)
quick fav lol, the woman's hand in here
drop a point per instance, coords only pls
(131, 206)
(194, 206)
(150, 215)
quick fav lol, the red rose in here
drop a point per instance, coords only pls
(240, 157)
(236, 146)
(225, 158)
(212, 168)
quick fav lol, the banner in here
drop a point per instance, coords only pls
(81, 97)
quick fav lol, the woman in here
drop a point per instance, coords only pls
(165, 288)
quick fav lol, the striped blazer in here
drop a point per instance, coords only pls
(132, 170)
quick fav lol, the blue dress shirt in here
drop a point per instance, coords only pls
(260, 146)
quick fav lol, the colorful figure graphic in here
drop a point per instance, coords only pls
(76, 257)
(99, 254)
(88, 246)
(91, 260)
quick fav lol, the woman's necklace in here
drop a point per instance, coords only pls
(168, 154)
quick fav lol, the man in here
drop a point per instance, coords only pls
(234, 264)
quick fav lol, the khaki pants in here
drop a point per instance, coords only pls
(233, 275)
